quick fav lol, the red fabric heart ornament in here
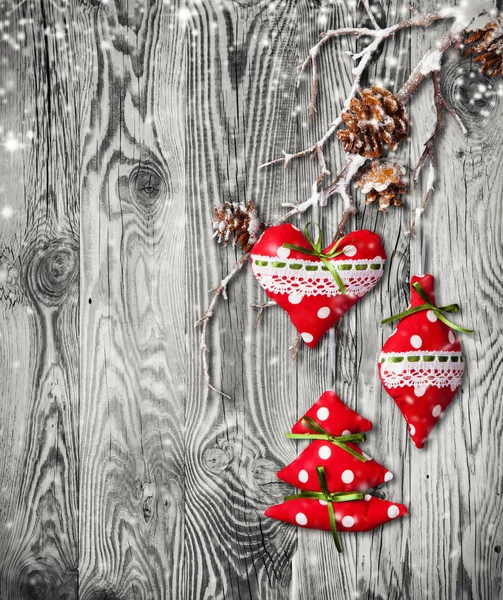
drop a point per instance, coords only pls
(344, 472)
(421, 365)
(302, 283)
(356, 515)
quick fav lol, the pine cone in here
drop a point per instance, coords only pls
(378, 118)
(486, 45)
(240, 220)
(382, 181)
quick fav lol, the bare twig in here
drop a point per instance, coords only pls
(203, 321)
(370, 14)
(430, 64)
(378, 36)
(339, 185)
(429, 147)
(427, 65)
(261, 307)
(295, 347)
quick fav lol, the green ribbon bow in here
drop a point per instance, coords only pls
(438, 310)
(321, 434)
(329, 498)
(316, 251)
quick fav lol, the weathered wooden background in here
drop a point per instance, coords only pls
(122, 124)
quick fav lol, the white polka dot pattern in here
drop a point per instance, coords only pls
(419, 390)
(283, 252)
(295, 298)
(416, 342)
(348, 521)
(301, 519)
(323, 413)
(324, 312)
(431, 316)
(324, 452)
(347, 476)
(303, 476)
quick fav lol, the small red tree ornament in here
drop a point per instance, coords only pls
(333, 474)
(421, 364)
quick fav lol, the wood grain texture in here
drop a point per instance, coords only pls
(133, 348)
(236, 115)
(40, 311)
(121, 125)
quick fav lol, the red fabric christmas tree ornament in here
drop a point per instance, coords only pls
(332, 472)
(333, 427)
(421, 365)
(344, 472)
(333, 415)
(353, 515)
(316, 286)
(335, 511)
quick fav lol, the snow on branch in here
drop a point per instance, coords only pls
(375, 120)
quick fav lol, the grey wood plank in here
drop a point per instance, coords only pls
(239, 110)
(133, 326)
(462, 493)
(39, 309)
(120, 477)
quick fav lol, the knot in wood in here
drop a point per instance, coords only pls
(52, 270)
(264, 475)
(35, 585)
(471, 94)
(216, 460)
(147, 184)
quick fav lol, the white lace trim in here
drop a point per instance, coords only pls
(312, 278)
(439, 369)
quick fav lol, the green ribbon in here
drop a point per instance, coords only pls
(317, 251)
(438, 310)
(321, 434)
(329, 498)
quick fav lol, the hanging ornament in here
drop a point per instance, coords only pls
(421, 364)
(334, 430)
(316, 286)
(335, 511)
(333, 474)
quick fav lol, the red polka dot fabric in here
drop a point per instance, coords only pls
(357, 515)
(303, 285)
(345, 473)
(342, 471)
(421, 365)
(334, 416)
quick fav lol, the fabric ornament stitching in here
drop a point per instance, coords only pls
(310, 279)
